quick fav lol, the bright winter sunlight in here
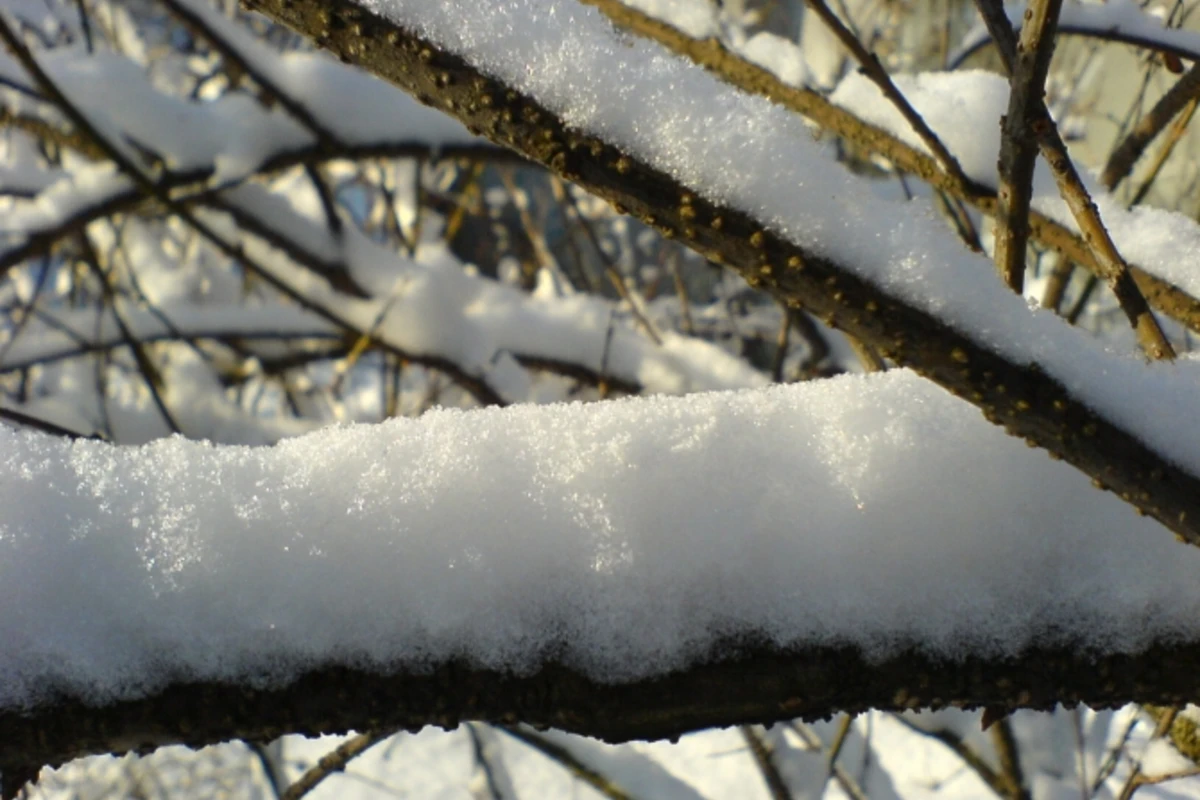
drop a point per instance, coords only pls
(637, 399)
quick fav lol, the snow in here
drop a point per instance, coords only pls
(679, 119)
(627, 536)
(964, 109)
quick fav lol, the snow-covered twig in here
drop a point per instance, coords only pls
(1050, 231)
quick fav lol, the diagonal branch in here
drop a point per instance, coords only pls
(750, 78)
(1109, 264)
(874, 70)
(1027, 69)
(1019, 395)
(1121, 162)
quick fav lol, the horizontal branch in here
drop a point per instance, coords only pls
(756, 685)
(1176, 42)
(1021, 397)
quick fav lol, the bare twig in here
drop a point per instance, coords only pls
(813, 742)
(978, 764)
(1027, 66)
(198, 22)
(601, 783)
(1136, 778)
(1109, 263)
(760, 750)
(1010, 759)
(332, 762)
(45, 426)
(1120, 163)
(874, 70)
(1164, 152)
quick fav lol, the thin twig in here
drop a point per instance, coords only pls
(813, 742)
(301, 113)
(874, 70)
(1126, 154)
(1161, 726)
(491, 772)
(1164, 152)
(1010, 759)
(45, 426)
(1056, 284)
(601, 783)
(335, 761)
(994, 780)
(1027, 67)
(1109, 263)
(760, 750)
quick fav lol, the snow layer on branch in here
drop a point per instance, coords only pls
(748, 153)
(625, 536)
(964, 109)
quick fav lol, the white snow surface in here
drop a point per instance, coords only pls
(745, 152)
(626, 537)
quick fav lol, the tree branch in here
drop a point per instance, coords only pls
(1021, 397)
(1027, 69)
(1037, 123)
(748, 77)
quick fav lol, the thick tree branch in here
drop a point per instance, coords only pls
(750, 685)
(1021, 397)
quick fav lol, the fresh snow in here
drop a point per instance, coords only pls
(746, 152)
(628, 536)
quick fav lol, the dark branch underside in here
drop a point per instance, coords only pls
(750, 685)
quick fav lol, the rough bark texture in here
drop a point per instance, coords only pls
(751, 684)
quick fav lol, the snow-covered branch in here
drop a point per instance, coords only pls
(921, 303)
(588, 567)
(861, 118)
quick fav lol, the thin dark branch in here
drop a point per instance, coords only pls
(764, 759)
(1028, 62)
(874, 70)
(333, 762)
(45, 426)
(601, 783)
(1009, 755)
(978, 764)
(1110, 265)
(1126, 154)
